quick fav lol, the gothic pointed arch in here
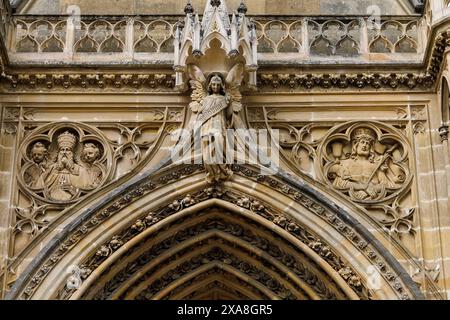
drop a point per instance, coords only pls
(159, 235)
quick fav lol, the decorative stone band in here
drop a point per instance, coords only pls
(420, 79)
(133, 39)
(374, 81)
(50, 81)
(388, 267)
(253, 293)
(266, 81)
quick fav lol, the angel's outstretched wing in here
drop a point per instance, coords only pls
(197, 83)
(234, 81)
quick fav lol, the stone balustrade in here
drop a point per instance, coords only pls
(131, 40)
(134, 40)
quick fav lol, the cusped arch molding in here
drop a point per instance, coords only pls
(210, 236)
(254, 236)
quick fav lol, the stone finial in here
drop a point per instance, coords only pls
(215, 3)
(242, 8)
(189, 9)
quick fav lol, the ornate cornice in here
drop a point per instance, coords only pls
(266, 81)
(425, 79)
(91, 81)
(346, 81)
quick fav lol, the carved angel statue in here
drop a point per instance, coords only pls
(215, 109)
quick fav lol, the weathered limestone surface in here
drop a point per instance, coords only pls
(256, 7)
(362, 122)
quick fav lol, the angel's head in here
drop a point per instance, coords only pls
(216, 85)
(39, 152)
(90, 153)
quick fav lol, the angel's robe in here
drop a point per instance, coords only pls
(213, 130)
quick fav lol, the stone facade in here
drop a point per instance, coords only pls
(93, 204)
(256, 7)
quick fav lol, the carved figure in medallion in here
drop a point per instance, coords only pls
(366, 174)
(33, 175)
(63, 162)
(64, 179)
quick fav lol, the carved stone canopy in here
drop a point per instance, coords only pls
(215, 43)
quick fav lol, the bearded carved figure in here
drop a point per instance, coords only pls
(64, 178)
(364, 168)
(62, 163)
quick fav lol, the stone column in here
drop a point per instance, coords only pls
(8, 126)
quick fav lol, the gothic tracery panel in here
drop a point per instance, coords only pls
(62, 162)
(365, 162)
(368, 162)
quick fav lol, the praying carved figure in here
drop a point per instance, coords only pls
(33, 175)
(89, 155)
(215, 109)
(65, 178)
(366, 174)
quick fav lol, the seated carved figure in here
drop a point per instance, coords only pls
(366, 175)
(33, 175)
(64, 179)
